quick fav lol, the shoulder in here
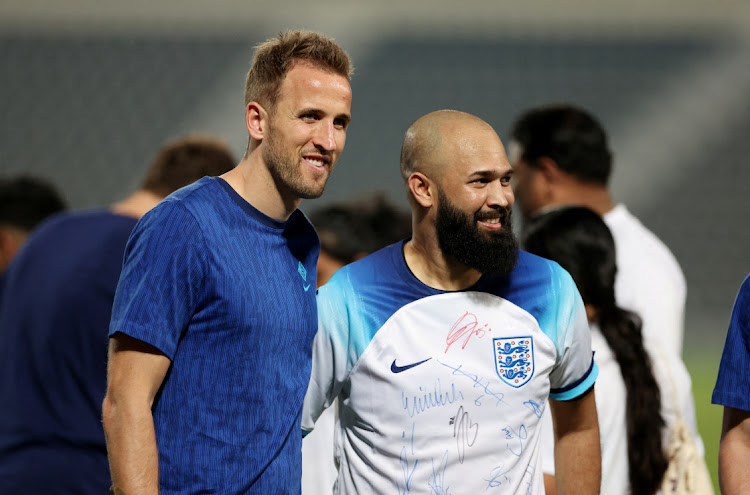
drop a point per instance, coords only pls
(540, 277)
(379, 276)
(743, 295)
(631, 236)
(186, 204)
(96, 226)
(201, 189)
(741, 311)
(540, 287)
(382, 266)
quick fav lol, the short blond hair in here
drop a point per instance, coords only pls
(275, 57)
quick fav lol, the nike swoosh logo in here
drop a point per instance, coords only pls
(398, 369)
(306, 287)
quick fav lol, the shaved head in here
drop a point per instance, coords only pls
(427, 139)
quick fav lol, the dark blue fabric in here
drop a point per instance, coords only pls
(733, 383)
(228, 294)
(54, 317)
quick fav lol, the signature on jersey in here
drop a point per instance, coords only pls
(465, 431)
(466, 327)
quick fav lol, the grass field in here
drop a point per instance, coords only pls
(703, 369)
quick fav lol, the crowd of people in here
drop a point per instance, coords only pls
(203, 335)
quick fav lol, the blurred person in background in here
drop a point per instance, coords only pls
(348, 231)
(24, 202)
(634, 391)
(442, 348)
(214, 315)
(53, 338)
(561, 156)
(351, 230)
(733, 392)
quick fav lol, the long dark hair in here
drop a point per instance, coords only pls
(579, 240)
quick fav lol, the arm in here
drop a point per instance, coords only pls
(135, 372)
(549, 484)
(577, 451)
(734, 452)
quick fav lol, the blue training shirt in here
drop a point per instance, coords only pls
(228, 294)
(732, 385)
(53, 356)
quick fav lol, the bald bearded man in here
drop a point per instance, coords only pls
(445, 348)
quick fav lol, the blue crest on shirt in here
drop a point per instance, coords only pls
(302, 271)
(514, 359)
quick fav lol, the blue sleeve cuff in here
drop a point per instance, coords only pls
(578, 388)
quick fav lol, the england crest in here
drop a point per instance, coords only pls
(514, 359)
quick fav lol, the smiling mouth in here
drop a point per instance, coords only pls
(492, 223)
(316, 159)
(316, 162)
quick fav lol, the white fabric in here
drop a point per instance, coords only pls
(649, 280)
(318, 462)
(610, 404)
(442, 392)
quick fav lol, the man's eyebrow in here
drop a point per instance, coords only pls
(492, 173)
(305, 110)
(345, 117)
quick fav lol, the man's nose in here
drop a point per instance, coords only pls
(325, 136)
(500, 194)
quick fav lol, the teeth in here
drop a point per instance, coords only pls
(317, 163)
(492, 220)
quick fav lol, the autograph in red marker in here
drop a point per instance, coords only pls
(464, 328)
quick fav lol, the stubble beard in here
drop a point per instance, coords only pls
(459, 236)
(285, 168)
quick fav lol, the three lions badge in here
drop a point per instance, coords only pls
(514, 359)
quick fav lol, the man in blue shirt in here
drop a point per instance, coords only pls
(215, 314)
(24, 202)
(53, 351)
(733, 392)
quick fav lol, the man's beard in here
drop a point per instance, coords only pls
(284, 167)
(459, 236)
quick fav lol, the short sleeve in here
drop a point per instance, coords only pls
(575, 371)
(732, 385)
(162, 278)
(332, 359)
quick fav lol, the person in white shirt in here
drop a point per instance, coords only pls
(636, 406)
(561, 156)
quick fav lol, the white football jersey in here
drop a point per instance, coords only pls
(442, 392)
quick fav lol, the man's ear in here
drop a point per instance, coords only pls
(422, 189)
(549, 170)
(256, 120)
(10, 244)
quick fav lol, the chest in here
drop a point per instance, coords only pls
(262, 285)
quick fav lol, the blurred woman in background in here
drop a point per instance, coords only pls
(653, 386)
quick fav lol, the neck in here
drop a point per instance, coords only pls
(433, 268)
(254, 183)
(593, 196)
(137, 204)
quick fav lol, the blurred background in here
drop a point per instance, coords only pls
(92, 89)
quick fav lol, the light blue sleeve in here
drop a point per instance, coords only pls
(343, 334)
(575, 371)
